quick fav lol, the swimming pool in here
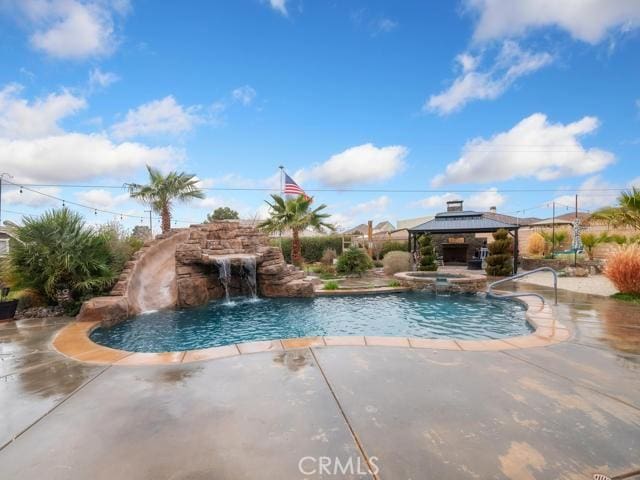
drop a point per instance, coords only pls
(411, 314)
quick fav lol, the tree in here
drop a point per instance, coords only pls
(294, 214)
(57, 255)
(626, 214)
(162, 191)
(427, 255)
(500, 259)
(142, 232)
(222, 213)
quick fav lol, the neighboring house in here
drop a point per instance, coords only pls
(5, 236)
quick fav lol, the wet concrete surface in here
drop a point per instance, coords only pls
(564, 412)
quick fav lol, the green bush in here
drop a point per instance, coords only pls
(331, 285)
(394, 283)
(393, 246)
(395, 262)
(500, 259)
(312, 247)
(354, 261)
(427, 254)
(58, 256)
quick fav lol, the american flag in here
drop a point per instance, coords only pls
(292, 188)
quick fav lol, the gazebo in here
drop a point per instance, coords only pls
(455, 234)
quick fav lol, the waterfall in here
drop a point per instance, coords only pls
(224, 273)
(249, 274)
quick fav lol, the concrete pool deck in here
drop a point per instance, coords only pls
(564, 411)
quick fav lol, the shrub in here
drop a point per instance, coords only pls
(500, 259)
(378, 263)
(328, 256)
(427, 254)
(58, 256)
(326, 271)
(312, 247)
(394, 283)
(29, 298)
(395, 262)
(354, 261)
(623, 269)
(392, 246)
(536, 244)
(590, 241)
(121, 245)
(331, 285)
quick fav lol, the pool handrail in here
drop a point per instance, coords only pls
(490, 292)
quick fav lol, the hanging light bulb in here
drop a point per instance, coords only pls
(95, 212)
(63, 204)
(20, 189)
(121, 217)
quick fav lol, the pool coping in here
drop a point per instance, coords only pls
(73, 341)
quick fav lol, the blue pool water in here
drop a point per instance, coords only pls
(411, 314)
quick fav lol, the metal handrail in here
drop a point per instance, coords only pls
(525, 294)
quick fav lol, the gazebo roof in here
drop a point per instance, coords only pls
(462, 222)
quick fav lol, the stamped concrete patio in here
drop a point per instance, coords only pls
(564, 411)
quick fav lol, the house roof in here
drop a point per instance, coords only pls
(503, 217)
(564, 219)
(463, 222)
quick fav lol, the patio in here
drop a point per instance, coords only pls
(564, 411)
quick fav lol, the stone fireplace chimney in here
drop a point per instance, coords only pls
(454, 206)
(493, 209)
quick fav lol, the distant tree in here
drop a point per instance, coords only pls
(222, 213)
(142, 232)
(163, 190)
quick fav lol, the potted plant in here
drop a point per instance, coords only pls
(7, 307)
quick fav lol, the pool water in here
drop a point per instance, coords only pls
(411, 314)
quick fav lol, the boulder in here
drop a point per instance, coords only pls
(192, 291)
(107, 310)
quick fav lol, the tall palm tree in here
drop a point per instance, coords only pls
(627, 213)
(294, 214)
(163, 191)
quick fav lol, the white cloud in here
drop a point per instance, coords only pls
(76, 156)
(510, 64)
(384, 25)
(362, 164)
(589, 21)
(31, 199)
(594, 193)
(20, 118)
(164, 116)
(33, 147)
(98, 78)
(374, 209)
(481, 201)
(245, 95)
(101, 198)
(279, 6)
(70, 29)
(532, 148)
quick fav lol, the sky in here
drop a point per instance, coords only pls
(379, 109)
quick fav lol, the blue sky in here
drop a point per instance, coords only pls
(477, 99)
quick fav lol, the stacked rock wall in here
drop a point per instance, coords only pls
(199, 257)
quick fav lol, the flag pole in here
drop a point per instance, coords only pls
(281, 167)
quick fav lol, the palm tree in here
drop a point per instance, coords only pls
(162, 191)
(296, 215)
(626, 214)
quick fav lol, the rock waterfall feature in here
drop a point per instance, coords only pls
(192, 266)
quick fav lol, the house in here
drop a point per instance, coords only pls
(5, 236)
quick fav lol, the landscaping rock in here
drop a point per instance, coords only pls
(106, 310)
